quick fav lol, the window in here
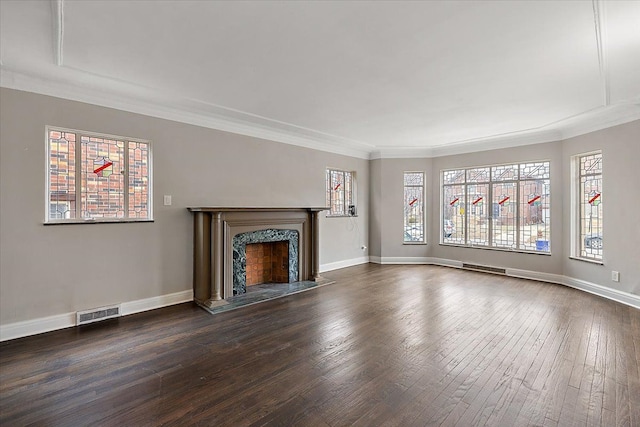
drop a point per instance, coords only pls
(340, 191)
(414, 207)
(501, 206)
(97, 177)
(588, 204)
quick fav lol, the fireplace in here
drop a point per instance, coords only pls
(267, 263)
(221, 239)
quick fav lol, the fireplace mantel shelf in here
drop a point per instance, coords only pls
(216, 227)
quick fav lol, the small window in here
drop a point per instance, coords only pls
(340, 191)
(97, 177)
(414, 207)
(589, 243)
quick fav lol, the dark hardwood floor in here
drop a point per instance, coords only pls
(383, 346)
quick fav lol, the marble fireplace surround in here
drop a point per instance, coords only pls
(214, 230)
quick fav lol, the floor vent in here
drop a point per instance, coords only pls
(484, 268)
(97, 314)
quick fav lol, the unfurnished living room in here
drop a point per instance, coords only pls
(319, 213)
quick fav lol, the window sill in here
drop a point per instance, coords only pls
(415, 243)
(590, 261)
(96, 221)
(489, 248)
(341, 216)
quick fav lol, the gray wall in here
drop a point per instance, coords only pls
(620, 147)
(621, 199)
(55, 269)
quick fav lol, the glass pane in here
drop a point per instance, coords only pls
(139, 180)
(535, 215)
(103, 187)
(478, 175)
(414, 207)
(477, 201)
(534, 170)
(337, 193)
(591, 218)
(62, 175)
(504, 173)
(453, 229)
(453, 177)
(591, 164)
(504, 214)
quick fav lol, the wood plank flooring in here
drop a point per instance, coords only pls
(383, 346)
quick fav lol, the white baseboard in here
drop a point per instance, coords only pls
(342, 264)
(593, 288)
(602, 291)
(152, 303)
(423, 260)
(67, 320)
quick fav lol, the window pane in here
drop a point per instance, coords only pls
(504, 173)
(453, 229)
(413, 207)
(103, 187)
(478, 175)
(591, 218)
(138, 180)
(535, 215)
(337, 193)
(453, 177)
(477, 201)
(504, 214)
(534, 170)
(62, 175)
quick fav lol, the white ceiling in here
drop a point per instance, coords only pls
(370, 79)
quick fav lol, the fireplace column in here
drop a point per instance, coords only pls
(315, 253)
(217, 254)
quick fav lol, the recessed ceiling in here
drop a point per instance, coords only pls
(363, 78)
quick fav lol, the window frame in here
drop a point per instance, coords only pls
(78, 177)
(351, 193)
(423, 241)
(490, 183)
(577, 237)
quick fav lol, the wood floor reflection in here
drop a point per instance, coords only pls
(384, 345)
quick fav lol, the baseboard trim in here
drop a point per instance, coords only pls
(67, 320)
(582, 285)
(602, 291)
(132, 307)
(343, 264)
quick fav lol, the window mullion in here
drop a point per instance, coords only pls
(518, 212)
(125, 178)
(78, 176)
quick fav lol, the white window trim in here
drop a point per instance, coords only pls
(50, 221)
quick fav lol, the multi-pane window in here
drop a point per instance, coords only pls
(97, 177)
(589, 200)
(340, 189)
(502, 206)
(414, 207)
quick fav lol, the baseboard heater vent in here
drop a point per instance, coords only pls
(484, 268)
(97, 314)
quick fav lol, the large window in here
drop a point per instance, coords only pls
(501, 206)
(414, 207)
(340, 190)
(588, 198)
(97, 177)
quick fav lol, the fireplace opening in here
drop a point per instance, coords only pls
(267, 262)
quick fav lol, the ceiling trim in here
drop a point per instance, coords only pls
(84, 87)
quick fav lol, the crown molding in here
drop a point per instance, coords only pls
(96, 90)
(83, 87)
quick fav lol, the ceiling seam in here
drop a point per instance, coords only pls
(600, 30)
(58, 28)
